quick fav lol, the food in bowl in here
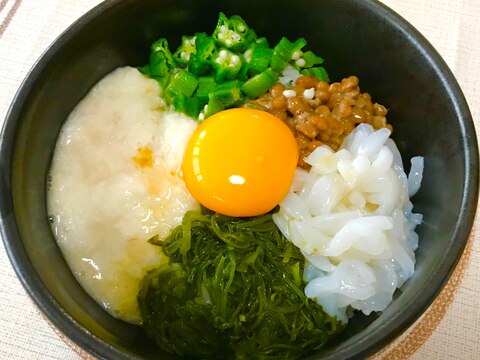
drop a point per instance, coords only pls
(148, 224)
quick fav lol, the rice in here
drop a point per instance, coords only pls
(351, 216)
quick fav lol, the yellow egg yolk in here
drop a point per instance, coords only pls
(240, 162)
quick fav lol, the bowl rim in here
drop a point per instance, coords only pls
(365, 346)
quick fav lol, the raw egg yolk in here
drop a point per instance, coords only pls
(240, 162)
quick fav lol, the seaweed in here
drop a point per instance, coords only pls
(233, 289)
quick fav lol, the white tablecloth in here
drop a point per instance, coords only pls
(28, 27)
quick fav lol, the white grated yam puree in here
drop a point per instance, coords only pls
(103, 206)
(352, 219)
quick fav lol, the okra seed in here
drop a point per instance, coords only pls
(248, 55)
(309, 94)
(289, 93)
(296, 55)
(300, 62)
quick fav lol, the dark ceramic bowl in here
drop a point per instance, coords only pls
(362, 37)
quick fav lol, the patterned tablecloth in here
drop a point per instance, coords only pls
(451, 327)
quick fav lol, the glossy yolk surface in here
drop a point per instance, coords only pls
(240, 162)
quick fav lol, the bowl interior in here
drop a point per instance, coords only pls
(394, 64)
